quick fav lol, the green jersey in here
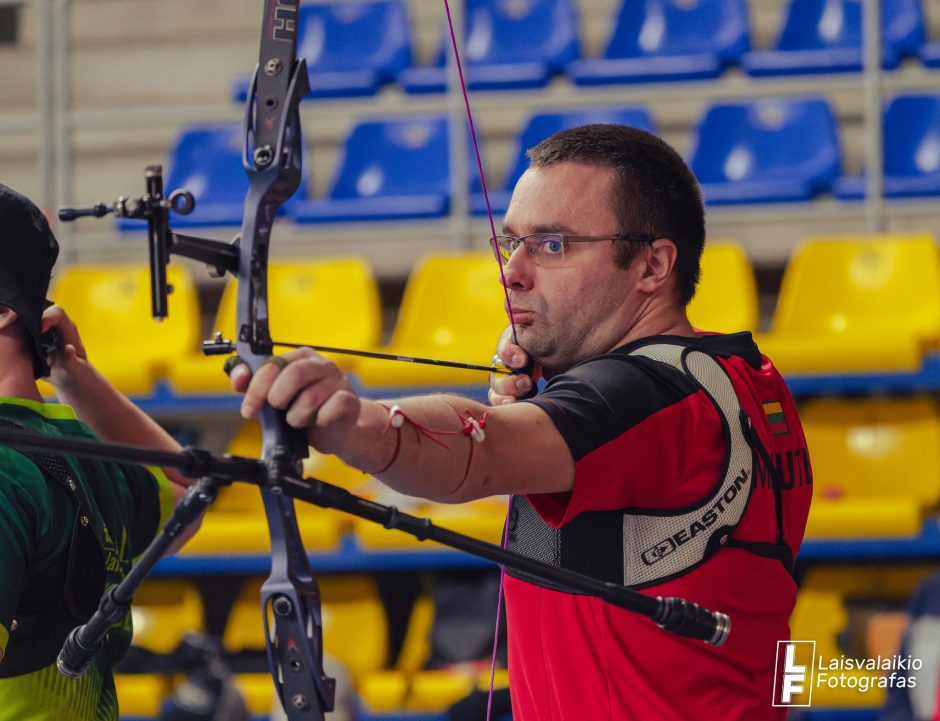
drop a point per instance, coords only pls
(37, 522)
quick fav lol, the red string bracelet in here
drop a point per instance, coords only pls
(391, 423)
(396, 419)
(475, 430)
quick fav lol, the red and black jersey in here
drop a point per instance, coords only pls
(645, 436)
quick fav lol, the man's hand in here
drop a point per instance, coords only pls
(313, 391)
(508, 389)
(70, 360)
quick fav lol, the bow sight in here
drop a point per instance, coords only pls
(154, 208)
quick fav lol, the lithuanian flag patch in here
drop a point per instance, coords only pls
(776, 418)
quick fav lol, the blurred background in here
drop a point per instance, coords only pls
(813, 126)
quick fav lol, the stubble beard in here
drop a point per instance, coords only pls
(544, 349)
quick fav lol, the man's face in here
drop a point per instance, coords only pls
(586, 305)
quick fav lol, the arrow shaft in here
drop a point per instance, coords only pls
(402, 358)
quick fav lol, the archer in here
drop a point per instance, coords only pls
(68, 527)
(634, 464)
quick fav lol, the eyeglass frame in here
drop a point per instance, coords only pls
(520, 240)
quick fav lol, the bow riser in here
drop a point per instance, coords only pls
(290, 598)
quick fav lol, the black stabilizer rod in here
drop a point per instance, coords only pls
(192, 462)
(675, 615)
(98, 210)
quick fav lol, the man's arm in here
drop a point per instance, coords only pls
(105, 410)
(429, 455)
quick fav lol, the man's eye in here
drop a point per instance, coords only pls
(553, 246)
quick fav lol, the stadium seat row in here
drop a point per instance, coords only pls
(833, 609)
(355, 636)
(353, 48)
(846, 305)
(764, 151)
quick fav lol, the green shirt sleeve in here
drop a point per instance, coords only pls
(153, 503)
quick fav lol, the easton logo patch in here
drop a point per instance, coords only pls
(776, 418)
(706, 520)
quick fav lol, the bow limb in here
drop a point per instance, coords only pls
(272, 158)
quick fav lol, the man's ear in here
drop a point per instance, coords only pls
(659, 263)
(8, 317)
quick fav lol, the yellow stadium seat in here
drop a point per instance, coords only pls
(481, 519)
(500, 679)
(387, 690)
(821, 616)
(437, 690)
(355, 630)
(885, 581)
(384, 691)
(408, 688)
(857, 304)
(416, 646)
(257, 689)
(397, 692)
(453, 309)
(111, 307)
(726, 298)
(141, 694)
(331, 302)
(236, 521)
(876, 464)
(164, 610)
(244, 629)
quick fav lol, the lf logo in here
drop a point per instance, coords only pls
(793, 673)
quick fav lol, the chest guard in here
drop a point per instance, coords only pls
(642, 547)
(47, 613)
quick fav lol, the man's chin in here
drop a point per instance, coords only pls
(527, 338)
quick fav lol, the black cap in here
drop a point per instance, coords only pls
(28, 250)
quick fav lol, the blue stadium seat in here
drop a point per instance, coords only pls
(911, 132)
(206, 160)
(771, 150)
(825, 36)
(539, 127)
(390, 169)
(508, 44)
(352, 47)
(657, 40)
(930, 54)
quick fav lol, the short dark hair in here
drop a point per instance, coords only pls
(655, 193)
(28, 251)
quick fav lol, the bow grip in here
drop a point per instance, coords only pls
(289, 445)
(684, 618)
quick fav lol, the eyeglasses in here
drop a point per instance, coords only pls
(548, 249)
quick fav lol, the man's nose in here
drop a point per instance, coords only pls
(517, 271)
